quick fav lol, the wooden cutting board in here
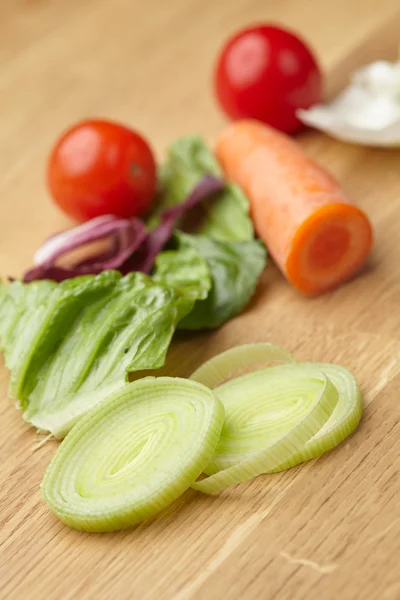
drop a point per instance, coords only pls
(327, 529)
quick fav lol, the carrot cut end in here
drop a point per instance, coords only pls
(329, 248)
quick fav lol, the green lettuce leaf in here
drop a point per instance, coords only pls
(235, 268)
(185, 269)
(223, 241)
(224, 217)
(71, 344)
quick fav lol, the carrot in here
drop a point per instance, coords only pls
(316, 236)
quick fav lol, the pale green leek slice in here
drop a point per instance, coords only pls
(236, 360)
(338, 427)
(269, 416)
(133, 454)
(342, 422)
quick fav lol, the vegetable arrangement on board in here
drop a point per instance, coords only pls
(71, 337)
(175, 247)
(167, 431)
(217, 264)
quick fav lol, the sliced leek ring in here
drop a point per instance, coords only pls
(269, 416)
(142, 447)
(237, 360)
(339, 426)
(134, 454)
(342, 422)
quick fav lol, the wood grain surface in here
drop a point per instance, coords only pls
(327, 529)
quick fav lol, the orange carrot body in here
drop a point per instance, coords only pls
(316, 236)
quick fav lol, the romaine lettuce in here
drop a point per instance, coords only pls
(70, 344)
(224, 237)
(235, 268)
(224, 217)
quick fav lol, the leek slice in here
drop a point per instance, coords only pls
(264, 407)
(340, 425)
(230, 363)
(269, 416)
(134, 454)
(343, 421)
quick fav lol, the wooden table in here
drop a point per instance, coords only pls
(327, 529)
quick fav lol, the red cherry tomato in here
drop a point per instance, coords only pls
(98, 168)
(267, 73)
